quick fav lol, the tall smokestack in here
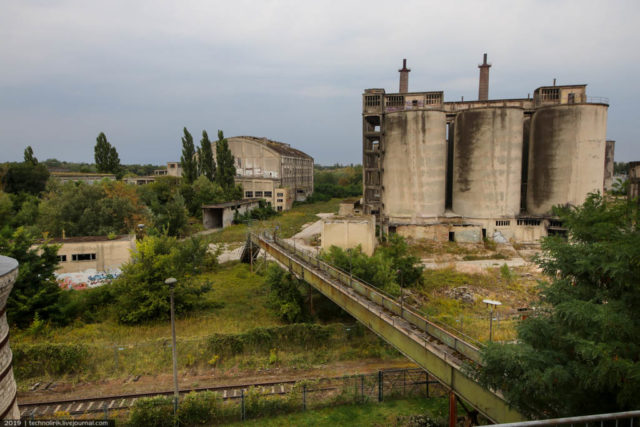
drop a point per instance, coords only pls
(483, 89)
(404, 77)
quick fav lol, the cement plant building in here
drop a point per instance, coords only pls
(271, 170)
(491, 168)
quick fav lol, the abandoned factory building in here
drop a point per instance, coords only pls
(271, 170)
(484, 168)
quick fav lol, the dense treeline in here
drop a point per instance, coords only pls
(336, 182)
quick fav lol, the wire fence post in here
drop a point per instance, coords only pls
(427, 381)
(243, 416)
(380, 385)
(304, 397)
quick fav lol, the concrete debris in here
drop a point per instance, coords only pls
(461, 293)
(499, 238)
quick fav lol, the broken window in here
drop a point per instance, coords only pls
(258, 193)
(503, 223)
(62, 258)
(83, 257)
(528, 221)
(268, 194)
(248, 194)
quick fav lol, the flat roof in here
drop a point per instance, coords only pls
(232, 203)
(86, 239)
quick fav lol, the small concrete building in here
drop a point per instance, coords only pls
(350, 207)
(349, 232)
(271, 170)
(220, 215)
(99, 253)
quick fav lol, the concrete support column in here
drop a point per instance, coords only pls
(8, 403)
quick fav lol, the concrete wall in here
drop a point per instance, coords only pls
(110, 255)
(8, 403)
(254, 159)
(347, 233)
(487, 162)
(566, 155)
(414, 164)
(609, 153)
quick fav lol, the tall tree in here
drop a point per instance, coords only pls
(207, 166)
(106, 156)
(29, 157)
(188, 159)
(35, 290)
(25, 178)
(580, 353)
(226, 170)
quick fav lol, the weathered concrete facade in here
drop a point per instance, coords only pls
(488, 165)
(8, 403)
(93, 252)
(609, 168)
(349, 232)
(263, 166)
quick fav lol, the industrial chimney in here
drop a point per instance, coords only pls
(483, 89)
(404, 77)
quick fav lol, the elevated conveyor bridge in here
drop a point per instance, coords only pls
(440, 352)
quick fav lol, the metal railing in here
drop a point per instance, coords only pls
(617, 419)
(385, 301)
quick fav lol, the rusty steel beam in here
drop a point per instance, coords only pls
(371, 312)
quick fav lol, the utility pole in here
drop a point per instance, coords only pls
(172, 282)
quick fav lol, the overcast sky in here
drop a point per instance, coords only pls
(293, 71)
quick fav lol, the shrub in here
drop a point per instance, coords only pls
(153, 411)
(202, 408)
(32, 360)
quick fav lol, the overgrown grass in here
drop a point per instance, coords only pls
(472, 318)
(289, 222)
(395, 413)
(244, 333)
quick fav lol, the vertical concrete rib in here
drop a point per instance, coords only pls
(8, 403)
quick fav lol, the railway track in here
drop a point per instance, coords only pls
(100, 404)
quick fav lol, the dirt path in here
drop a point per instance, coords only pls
(164, 382)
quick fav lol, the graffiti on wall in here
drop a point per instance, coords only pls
(90, 278)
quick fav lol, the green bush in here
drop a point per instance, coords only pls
(142, 295)
(202, 408)
(152, 411)
(32, 360)
(258, 405)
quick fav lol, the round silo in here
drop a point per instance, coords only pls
(414, 163)
(487, 162)
(566, 155)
